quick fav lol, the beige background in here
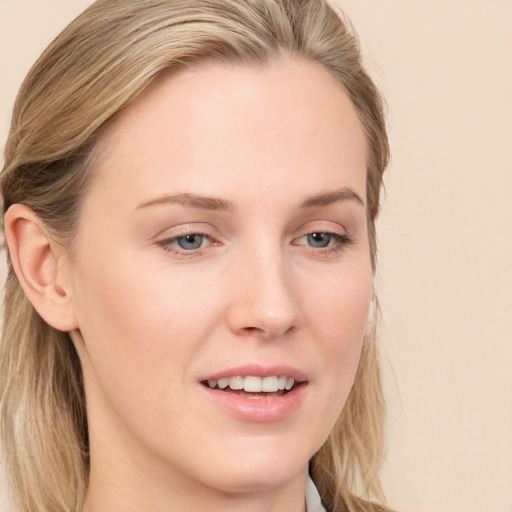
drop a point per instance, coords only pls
(445, 277)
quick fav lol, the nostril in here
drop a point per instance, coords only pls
(268, 333)
(253, 331)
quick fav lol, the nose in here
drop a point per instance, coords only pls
(265, 300)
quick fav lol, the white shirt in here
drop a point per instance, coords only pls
(313, 501)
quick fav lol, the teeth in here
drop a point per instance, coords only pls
(253, 384)
(236, 383)
(269, 384)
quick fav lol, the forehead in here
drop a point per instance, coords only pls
(231, 126)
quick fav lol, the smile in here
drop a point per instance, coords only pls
(257, 393)
(253, 384)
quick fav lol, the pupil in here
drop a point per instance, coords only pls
(190, 242)
(319, 239)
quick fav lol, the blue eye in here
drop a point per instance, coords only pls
(190, 242)
(319, 239)
(323, 243)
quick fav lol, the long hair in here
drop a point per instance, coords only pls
(94, 69)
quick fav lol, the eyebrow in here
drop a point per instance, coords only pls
(216, 204)
(327, 198)
(192, 200)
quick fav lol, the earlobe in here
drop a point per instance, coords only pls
(36, 260)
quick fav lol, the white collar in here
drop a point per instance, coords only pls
(313, 501)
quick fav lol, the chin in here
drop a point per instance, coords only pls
(260, 468)
(256, 480)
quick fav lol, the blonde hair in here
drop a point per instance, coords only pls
(95, 68)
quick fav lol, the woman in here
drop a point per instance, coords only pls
(190, 190)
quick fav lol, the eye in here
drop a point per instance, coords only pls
(186, 244)
(319, 239)
(323, 242)
(190, 242)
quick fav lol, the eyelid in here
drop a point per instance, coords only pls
(167, 242)
(183, 229)
(321, 226)
(340, 237)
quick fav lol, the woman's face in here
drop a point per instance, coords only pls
(223, 242)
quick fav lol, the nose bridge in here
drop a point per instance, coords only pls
(265, 301)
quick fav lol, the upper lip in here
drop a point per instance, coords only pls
(257, 370)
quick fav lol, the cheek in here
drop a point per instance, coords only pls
(143, 336)
(135, 325)
(340, 317)
(340, 308)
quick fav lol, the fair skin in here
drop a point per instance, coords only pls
(264, 169)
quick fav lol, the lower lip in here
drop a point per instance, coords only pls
(258, 409)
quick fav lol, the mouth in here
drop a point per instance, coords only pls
(257, 393)
(253, 386)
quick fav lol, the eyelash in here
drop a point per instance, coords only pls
(169, 244)
(341, 241)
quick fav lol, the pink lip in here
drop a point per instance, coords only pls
(258, 371)
(258, 409)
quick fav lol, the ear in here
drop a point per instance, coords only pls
(39, 264)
